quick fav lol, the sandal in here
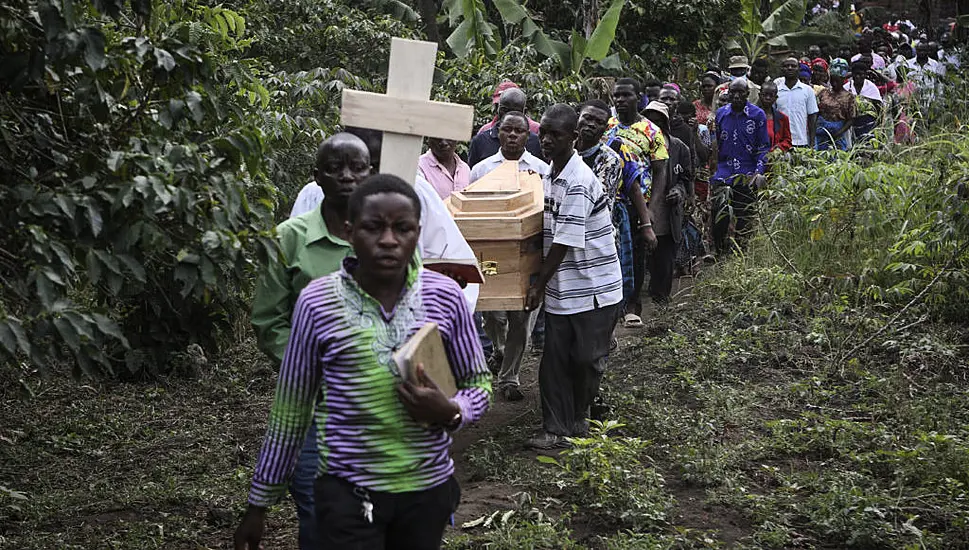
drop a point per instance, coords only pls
(631, 320)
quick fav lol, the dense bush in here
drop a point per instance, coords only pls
(134, 196)
(877, 226)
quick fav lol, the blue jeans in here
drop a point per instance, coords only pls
(301, 487)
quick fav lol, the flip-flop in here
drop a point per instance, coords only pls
(631, 320)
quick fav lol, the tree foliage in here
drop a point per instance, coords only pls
(134, 196)
(474, 30)
(779, 30)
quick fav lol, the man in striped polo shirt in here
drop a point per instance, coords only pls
(385, 473)
(580, 281)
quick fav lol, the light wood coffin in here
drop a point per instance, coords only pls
(500, 215)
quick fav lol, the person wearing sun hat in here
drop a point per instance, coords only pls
(739, 67)
(667, 198)
(836, 109)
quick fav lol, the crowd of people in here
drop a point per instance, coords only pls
(638, 190)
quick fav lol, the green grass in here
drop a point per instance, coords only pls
(745, 401)
(739, 429)
(810, 393)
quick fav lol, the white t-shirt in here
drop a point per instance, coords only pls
(440, 236)
(527, 161)
(927, 78)
(797, 103)
(576, 215)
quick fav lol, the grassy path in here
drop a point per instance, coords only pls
(735, 429)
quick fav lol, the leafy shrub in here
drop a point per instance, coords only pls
(133, 194)
(879, 227)
(524, 526)
(606, 476)
(472, 81)
(516, 534)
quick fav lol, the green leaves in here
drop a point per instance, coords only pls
(119, 167)
(750, 22)
(13, 338)
(111, 8)
(786, 18)
(605, 32)
(474, 29)
(164, 60)
(569, 56)
(781, 29)
(513, 13)
(93, 48)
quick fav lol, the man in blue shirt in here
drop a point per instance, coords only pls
(743, 145)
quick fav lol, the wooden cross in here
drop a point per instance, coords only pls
(405, 114)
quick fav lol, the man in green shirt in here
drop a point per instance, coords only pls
(312, 245)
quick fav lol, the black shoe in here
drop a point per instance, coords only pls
(494, 362)
(511, 393)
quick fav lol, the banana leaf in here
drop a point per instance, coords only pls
(604, 33)
(787, 18)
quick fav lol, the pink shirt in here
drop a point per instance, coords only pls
(438, 176)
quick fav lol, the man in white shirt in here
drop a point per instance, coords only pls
(509, 330)
(925, 72)
(797, 100)
(440, 236)
(512, 142)
(580, 284)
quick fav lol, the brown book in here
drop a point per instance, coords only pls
(466, 269)
(426, 347)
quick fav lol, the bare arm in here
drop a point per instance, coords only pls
(812, 127)
(645, 218)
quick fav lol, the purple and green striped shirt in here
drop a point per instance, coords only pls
(339, 366)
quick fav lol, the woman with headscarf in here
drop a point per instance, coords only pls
(804, 73)
(819, 75)
(836, 110)
(868, 102)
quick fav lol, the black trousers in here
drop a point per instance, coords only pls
(639, 259)
(660, 264)
(732, 203)
(401, 521)
(576, 350)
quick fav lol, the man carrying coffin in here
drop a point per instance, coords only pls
(385, 476)
(509, 330)
(440, 238)
(487, 142)
(580, 283)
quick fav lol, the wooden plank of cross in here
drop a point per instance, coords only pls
(405, 114)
